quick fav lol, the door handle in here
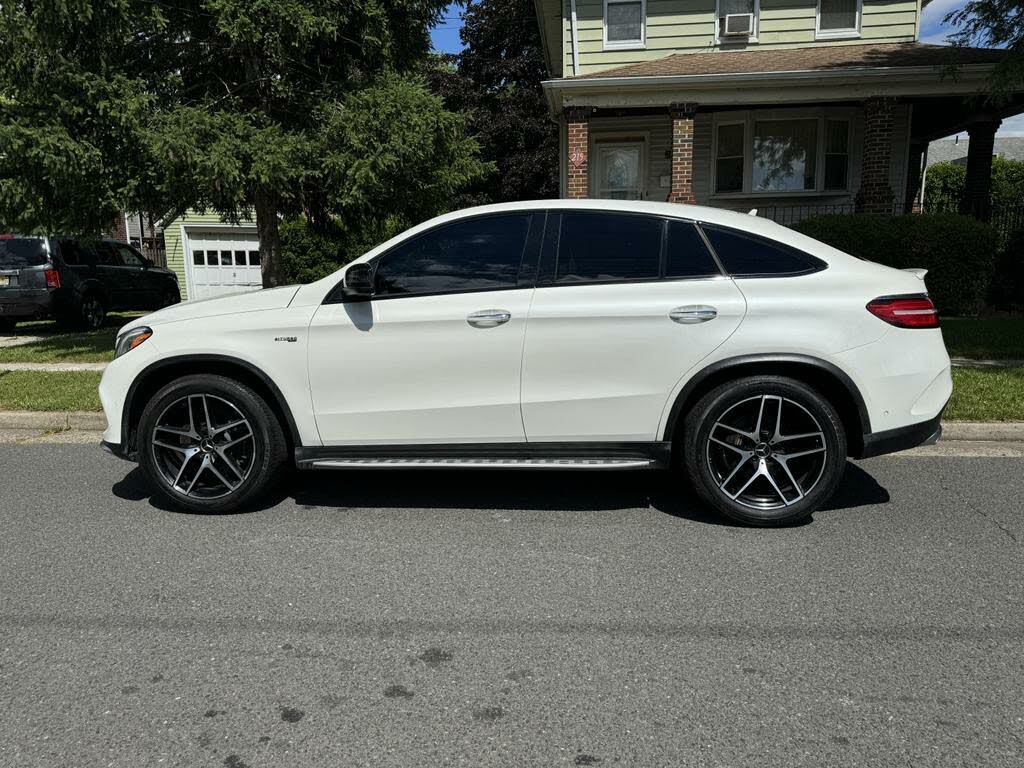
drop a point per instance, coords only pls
(489, 318)
(693, 314)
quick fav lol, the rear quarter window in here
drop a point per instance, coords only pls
(20, 252)
(746, 255)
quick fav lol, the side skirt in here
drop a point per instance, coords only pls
(488, 456)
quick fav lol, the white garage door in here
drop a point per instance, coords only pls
(223, 262)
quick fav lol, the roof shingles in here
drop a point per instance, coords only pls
(824, 57)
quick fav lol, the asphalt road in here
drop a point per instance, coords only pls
(512, 619)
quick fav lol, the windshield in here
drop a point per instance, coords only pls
(17, 252)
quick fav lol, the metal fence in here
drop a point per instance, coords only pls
(788, 215)
(1008, 220)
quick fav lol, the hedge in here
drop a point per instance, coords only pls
(959, 252)
(945, 183)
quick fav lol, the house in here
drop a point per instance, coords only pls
(793, 107)
(955, 150)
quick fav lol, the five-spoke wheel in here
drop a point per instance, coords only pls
(210, 443)
(765, 450)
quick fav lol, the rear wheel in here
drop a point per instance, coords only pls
(210, 443)
(765, 450)
(169, 296)
(89, 314)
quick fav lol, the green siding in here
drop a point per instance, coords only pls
(678, 26)
(172, 242)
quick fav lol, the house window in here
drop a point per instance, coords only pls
(729, 157)
(785, 154)
(838, 18)
(624, 23)
(774, 153)
(732, 8)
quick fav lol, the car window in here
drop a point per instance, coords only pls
(596, 247)
(105, 255)
(127, 256)
(478, 254)
(686, 253)
(73, 254)
(17, 252)
(746, 255)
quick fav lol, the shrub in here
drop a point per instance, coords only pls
(958, 251)
(945, 182)
(1008, 286)
(308, 255)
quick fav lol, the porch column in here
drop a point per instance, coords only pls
(876, 195)
(578, 121)
(682, 153)
(976, 199)
(914, 158)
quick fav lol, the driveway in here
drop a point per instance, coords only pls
(494, 619)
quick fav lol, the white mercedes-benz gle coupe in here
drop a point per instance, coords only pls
(590, 335)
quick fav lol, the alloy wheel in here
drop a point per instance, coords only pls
(766, 452)
(93, 312)
(203, 446)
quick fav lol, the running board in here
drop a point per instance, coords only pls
(565, 456)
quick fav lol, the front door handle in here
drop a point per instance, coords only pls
(693, 314)
(489, 318)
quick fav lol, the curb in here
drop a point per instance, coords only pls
(973, 431)
(54, 367)
(51, 420)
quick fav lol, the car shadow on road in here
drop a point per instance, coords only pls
(551, 491)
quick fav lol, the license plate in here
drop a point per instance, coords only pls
(5, 279)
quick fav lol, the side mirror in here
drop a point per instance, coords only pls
(358, 282)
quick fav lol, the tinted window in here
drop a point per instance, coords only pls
(686, 253)
(477, 254)
(608, 246)
(105, 255)
(17, 252)
(746, 255)
(127, 256)
(72, 253)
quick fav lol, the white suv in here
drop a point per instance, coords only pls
(548, 334)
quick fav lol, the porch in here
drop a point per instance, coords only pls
(791, 132)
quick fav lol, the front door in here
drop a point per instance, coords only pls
(625, 305)
(436, 355)
(620, 170)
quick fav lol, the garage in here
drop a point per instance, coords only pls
(219, 262)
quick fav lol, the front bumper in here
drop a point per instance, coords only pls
(116, 449)
(902, 438)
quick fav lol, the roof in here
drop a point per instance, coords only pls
(949, 151)
(807, 59)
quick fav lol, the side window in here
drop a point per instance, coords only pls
(745, 255)
(686, 254)
(126, 256)
(598, 247)
(72, 254)
(477, 254)
(105, 255)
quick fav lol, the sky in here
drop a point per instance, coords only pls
(445, 37)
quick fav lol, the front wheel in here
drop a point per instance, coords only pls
(765, 450)
(7, 325)
(211, 444)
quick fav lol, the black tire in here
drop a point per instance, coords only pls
(256, 464)
(88, 314)
(7, 325)
(785, 479)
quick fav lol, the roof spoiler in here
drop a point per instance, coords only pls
(916, 272)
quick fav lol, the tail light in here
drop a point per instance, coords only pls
(916, 311)
(52, 278)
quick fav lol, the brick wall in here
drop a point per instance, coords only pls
(876, 195)
(682, 154)
(579, 152)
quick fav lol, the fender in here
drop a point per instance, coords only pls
(721, 366)
(280, 402)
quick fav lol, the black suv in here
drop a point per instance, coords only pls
(75, 282)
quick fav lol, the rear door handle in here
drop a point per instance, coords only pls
(693, 314)
(489, 318)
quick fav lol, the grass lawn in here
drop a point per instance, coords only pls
(987, 395)
(49, 391)
(59, 346)
(984, 337)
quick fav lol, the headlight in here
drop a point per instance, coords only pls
(129, 340)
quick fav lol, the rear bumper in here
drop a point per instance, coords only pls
(25, 303)
(902, 438)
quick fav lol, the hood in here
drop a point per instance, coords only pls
(251, 301)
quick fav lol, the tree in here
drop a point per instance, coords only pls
(497, 80)
(997, 24)
(248, 107)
